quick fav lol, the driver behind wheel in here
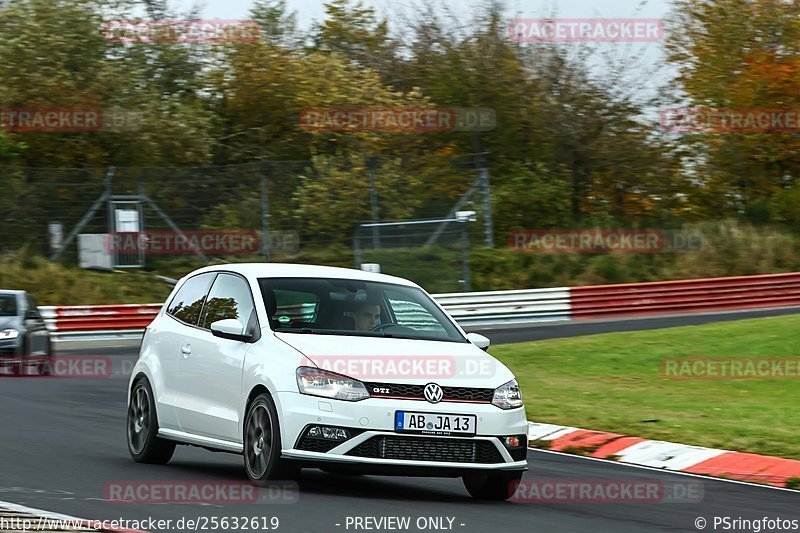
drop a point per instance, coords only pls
(367, 316)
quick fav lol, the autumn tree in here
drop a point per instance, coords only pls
(740, 55)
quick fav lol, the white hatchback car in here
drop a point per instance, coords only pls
(305, 366)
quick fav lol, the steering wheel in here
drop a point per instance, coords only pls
(384, 325)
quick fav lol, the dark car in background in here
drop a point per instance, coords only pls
(25, 343)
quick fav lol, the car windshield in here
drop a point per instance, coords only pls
(327, 306)
(8, 305)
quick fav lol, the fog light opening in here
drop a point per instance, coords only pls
(328, 433)
(512, 442)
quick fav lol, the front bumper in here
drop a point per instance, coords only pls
(377, 446)
(11, 348)
(12, 359)
(15, 362)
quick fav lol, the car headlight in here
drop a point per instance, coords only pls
(9, 334)
(508, 396)
(327, 384)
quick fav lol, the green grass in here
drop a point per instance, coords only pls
(54, 284)
(613, 382)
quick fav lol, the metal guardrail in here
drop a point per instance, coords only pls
(686, 296)
(98, 322)
(504, 307)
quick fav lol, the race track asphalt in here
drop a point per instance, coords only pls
(63, 440)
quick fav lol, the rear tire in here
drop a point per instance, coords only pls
(495, 486)
(262, 444)
(143, 443)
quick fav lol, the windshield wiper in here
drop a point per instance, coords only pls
(393, 336)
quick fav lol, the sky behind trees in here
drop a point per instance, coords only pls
(308, 10)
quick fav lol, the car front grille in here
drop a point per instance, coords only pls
(416, 392)
(428, 449)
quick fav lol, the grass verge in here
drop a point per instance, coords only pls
(614, 382)
(54, 284)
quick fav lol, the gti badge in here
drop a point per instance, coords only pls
(433, 393)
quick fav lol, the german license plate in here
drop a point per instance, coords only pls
(434, 423)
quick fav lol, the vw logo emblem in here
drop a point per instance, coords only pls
(433, 393)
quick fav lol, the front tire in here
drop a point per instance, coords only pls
(495, 486)
(262, 443)
(143, 444)
(46, 366)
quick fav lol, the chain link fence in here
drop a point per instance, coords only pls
(302, 211)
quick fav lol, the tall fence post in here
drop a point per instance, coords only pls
(357, 251)
(488, 224)
(266, 172)
(55, 256)
(466, 284)
(373, 200)
(481, 181)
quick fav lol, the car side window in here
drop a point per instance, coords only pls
(31, 303)
(230, 297)
(8, 305)
(188, 303)
(295, 307)
(411, 314)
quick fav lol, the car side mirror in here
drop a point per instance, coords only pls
(479, 340)
(31, 314)
(230, 328)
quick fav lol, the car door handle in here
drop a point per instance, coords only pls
(186, 350)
